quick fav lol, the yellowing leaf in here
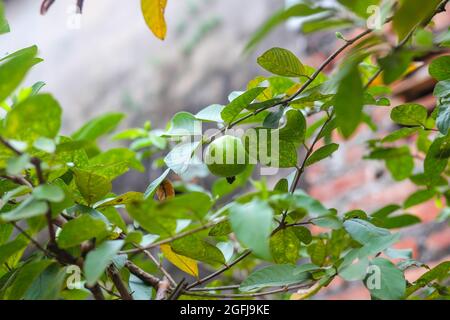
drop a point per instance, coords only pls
(153, 11)
(183, 263)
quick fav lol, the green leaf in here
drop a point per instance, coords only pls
(81, 229)
(281, 62)
(211, 113)
(395, 65)
(114, 163)
(294, 129)
(285, 247)
(184, 124)
(180, 157)
(252, 224)
(114, 217)
(399, 161)
(273, 276)
(140, 291)
(386, 282)
(193, 205)
(25, 277)
(349, 100)
(410, 114)
(329, 221)
(401, 167)
(363, 231)
(303, 234)
(235, 107)
(277, 148)
(197, 249)
(13, 69)
(443, 118)
(48, 285)
(322, 153)
(16, 165)
(360, 7)
(4, 27)
(10, 248)
(123, 199)
(298, 200)
(221, 187)
(92, 187)
(439, 272)
(355, 271)
(436, 159)
(440, 68)
(321, 24)
(272, 121)
(99, 259)
(400, 134)
(282, 186)
(442, 89)
(49, 192)
(145, 215)
(410, 14)
(400, 221)
(419, 197)
(221, 229)
(317, 252)
(298, 10)
(36, 117)
(45, 144)
(151, 189)
(26, 209)
(98, 126)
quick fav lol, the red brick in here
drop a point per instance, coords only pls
(427, 211)
(332, 190)
(409, 243)
(394, 193)
(439, 240)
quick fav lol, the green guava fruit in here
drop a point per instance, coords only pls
(226, 157)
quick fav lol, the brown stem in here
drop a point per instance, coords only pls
(96, 292)
(141, 274)
(220, 271)
(117, 280)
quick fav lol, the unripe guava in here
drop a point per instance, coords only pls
(226, 157)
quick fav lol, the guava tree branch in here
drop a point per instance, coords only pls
(220, 271)
(247, 295)
(118, 283)
(175, 237)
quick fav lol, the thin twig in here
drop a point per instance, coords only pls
(36, 244)
(220, 288)
(159, 265)
(220, 271)
(246, 295)
(178, 290)
(142, 275)
(175, 237)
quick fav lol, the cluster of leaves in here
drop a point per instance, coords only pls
(62, 185)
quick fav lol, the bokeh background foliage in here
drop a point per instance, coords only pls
(67, 233)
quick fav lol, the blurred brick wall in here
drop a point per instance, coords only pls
(347, 182)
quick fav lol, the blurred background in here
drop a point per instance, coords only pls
(108, 60)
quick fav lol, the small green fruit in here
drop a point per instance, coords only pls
(226, 157)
